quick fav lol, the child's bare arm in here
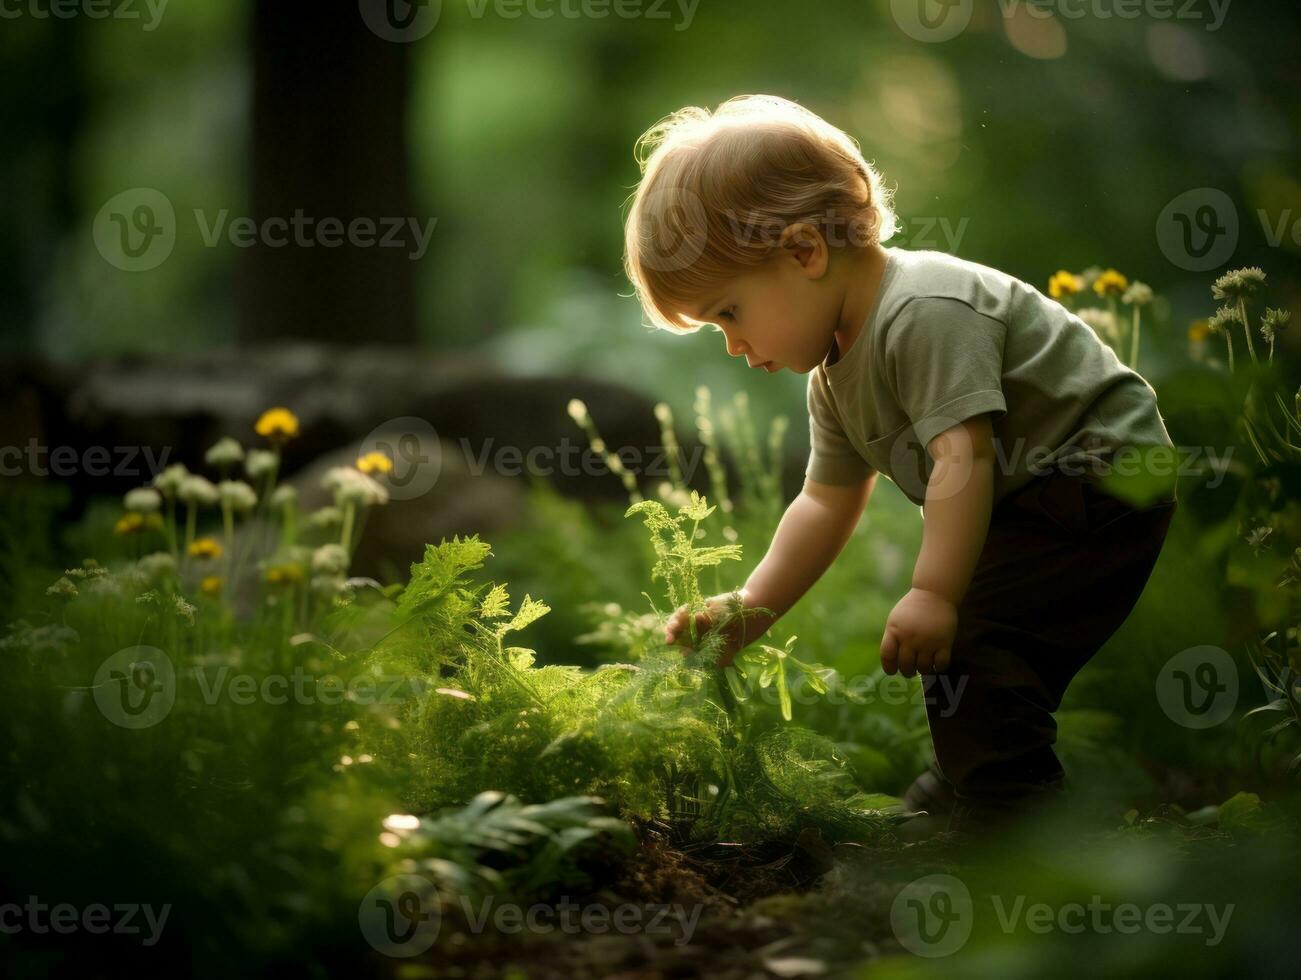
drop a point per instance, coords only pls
(959, 498)
(812, 532)
(919, 630)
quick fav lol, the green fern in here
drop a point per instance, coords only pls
(660, 739)
(498, 845)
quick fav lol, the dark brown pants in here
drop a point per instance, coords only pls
(1062, 567)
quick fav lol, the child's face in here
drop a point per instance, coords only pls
(780, 315)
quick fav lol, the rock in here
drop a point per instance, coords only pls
(395, 534)
(179, 405)
(493, 430)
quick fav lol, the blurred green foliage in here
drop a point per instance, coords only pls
(521, 132)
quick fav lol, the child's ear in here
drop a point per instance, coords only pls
(802, 242)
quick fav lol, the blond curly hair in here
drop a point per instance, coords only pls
(717, 189)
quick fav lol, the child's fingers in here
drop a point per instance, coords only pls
(675, 628)
(942, 661)
(889, 652)
(925, 661)
(907, 660)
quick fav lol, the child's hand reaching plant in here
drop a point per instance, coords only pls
(719, 626)
(729, 620)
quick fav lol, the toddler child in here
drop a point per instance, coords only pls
(989, 405)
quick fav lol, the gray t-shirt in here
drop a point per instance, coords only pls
(949, 339)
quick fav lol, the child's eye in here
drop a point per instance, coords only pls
(728, 314)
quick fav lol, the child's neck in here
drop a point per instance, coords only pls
(861, 281)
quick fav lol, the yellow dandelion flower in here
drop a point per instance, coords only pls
(374, 463)
(1198, 331)
(129, 523)
(204, 548)
(277, 424)
(211, 585)
(1064, 284)
(1110, 283)
(289, 574)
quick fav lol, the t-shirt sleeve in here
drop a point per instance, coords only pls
(832, 458)
(944, 363)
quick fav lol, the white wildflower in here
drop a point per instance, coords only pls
(260, 463)
(1138, 294)
(198, 491)
(224, 452)
(154, 566)
(170, 479)
(351, 486)
(236, 494)
(326, 517)
(330, 559)
(284, 496)
(142, 500)
(1103, 323)
(63, 587)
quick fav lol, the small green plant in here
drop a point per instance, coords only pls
(780, 665)
(679, 561)
(496, 845)
(1277, 670)
(759, 502)
(748, 737)
(1271, 424)
(664, 738)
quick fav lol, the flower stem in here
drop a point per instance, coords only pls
(1246, 328)
(228, 529)
(345, 536)
(171, 525)
(289, 528)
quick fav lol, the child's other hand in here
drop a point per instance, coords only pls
(919, 634)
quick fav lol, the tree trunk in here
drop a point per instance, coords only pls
(328, 142)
